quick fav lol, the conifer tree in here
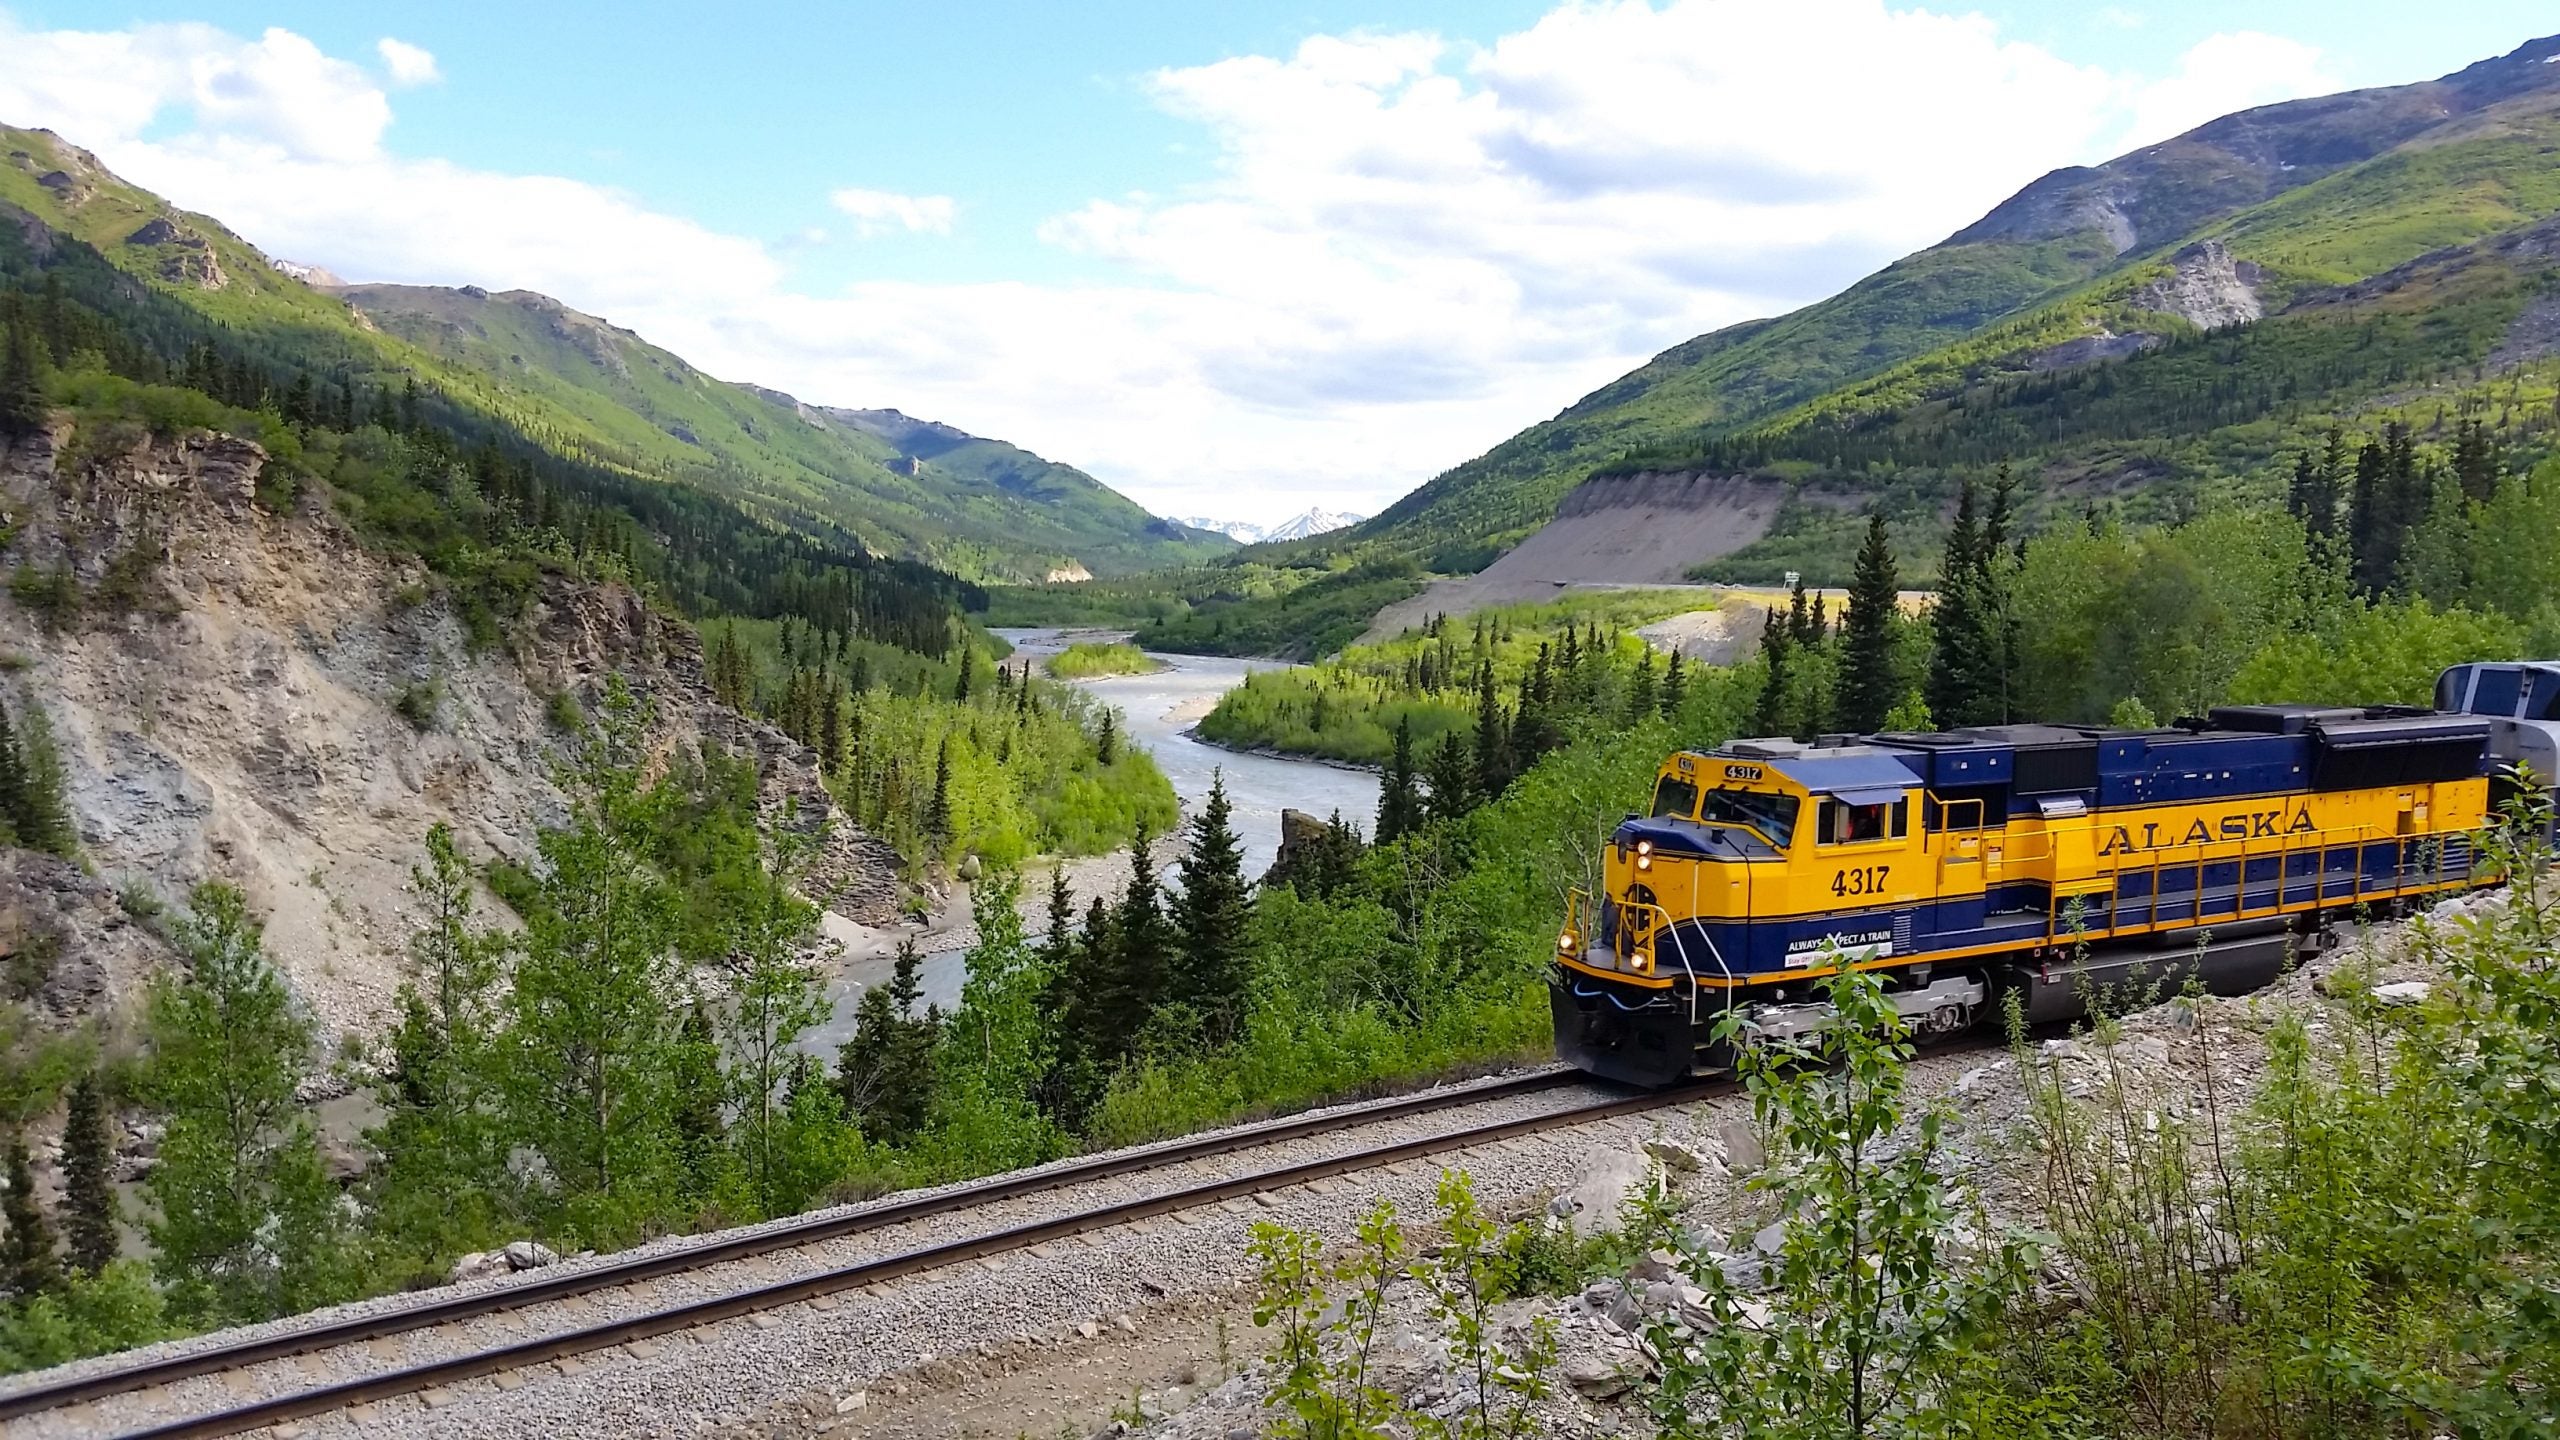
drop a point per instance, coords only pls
(1493, 768)
(28, 1266)
(1968, 650)
(885, 1072)
(22, 402)
(1211, 959)
(1640, 691)
(88, 1181)
(1675, 687)
(1060, 941)
(31, 783)
(1106, 745)
(1870, 682)
(1769, 717)
(1144, 937)
(1399, 798)
(937, 815)
(1452, 789)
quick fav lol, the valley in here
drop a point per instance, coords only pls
(482, 795)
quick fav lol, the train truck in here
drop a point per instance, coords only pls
(2050, 862)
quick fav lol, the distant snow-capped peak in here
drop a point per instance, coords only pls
(1296, 527)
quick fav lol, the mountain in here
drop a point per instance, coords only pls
(2176, 314)
(535, 365)
(1303, 525)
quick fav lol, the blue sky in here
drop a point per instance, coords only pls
(1236, 258)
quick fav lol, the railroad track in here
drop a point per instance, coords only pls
(752, 1298)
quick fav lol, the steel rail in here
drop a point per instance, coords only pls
(793, 1235)
(323, 1399)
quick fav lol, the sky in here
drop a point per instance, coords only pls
(1234, 260)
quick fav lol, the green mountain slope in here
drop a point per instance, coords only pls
(2087, 266)
(593, 389)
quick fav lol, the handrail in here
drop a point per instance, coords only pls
(2320, 844)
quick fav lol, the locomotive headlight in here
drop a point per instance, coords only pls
(1644, 862)
(1644, 847)
(1564, 942)
(1644, 854)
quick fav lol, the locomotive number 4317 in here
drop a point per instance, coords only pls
(1859, 880)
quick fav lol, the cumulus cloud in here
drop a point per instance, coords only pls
(408, 64)
(1409, 246)
(878, 212)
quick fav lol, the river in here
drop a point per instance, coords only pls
(1157, 711)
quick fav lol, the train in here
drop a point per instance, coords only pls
(2052, 863)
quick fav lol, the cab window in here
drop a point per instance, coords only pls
(1675, 800)
(1842, 823)
(1774, 816)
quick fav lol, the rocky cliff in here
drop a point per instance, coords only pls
(258, 697)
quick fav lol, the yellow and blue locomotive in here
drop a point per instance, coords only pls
(2046, 860)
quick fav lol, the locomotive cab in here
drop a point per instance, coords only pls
(1767, 858)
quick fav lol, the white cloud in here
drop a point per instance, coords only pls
(1409, 247)
(877, 212)
(407, 63)
(2223, 73)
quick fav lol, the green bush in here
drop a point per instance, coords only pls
(418, 701)
(1088, 660)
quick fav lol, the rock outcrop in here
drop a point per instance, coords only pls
(258, 697)
(2205, 287)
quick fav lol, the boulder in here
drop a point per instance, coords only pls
(2402, 993)
(1601, 1189)
(1743, 1152)
(1674, 1157)
(529, 1255)
(1603, 1376)
(478, 1265)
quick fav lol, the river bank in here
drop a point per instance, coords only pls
(1159, 711)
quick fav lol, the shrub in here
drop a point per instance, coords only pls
(418, 702)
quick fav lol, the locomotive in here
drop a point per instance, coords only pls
(2052, 862)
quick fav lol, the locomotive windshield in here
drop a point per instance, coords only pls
(1774, 816)
(1675, 800)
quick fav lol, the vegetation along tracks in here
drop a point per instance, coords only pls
(555, 1344)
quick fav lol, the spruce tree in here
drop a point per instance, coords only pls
(1106, 744)
(1640, 691)
(1060, 942)
(88, 1179)
(1675, 687)
(31, 783)
(1211, 958)
(1493, 768)
(1399, 799)
(937, 815)
(1968, 644)
(1452, 790)
(28, 1266)
(13, 781)
(22, 402)
(1144, 938)
(1769, 717)
(1870, 682)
